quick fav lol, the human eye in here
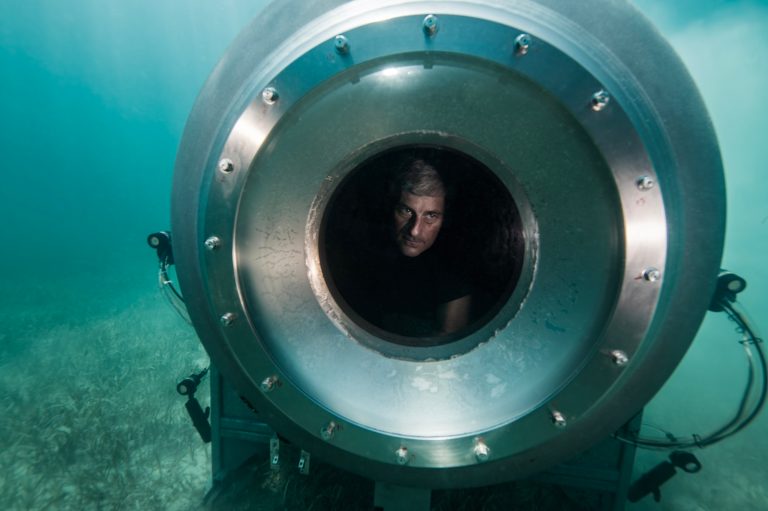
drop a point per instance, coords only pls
(403, 210)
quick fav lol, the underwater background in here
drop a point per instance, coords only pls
(94, 95)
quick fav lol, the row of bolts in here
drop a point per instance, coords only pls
(522, 45)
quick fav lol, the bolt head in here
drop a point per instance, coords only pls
(522, 44)
(270, 95)
(645, 183)
(226, 165)
(651, 274)
(212, 243)
(341, 43)
(482, 451)
(619, 358)
(227, 318)
(269, 383)
(430, 25)
(558, 419)
(401, 455)
(328, 431)
(600, 100)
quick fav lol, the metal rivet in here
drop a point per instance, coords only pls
(522, 44)
(401, 455)
(558, 419)
(328, 431)
(430, 25)
(481, 450)
(651, 274)
(227, 318)
(226, 166)
(645, 183)
(341, 44)
(619, 358)
(269, 95)
(212, 243)
(600, 100)
(269, 383)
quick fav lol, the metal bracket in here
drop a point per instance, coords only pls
(304, 459)
(274, 453)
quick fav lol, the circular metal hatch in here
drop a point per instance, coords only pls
(584, 118)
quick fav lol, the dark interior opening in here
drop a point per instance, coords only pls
(478, 251)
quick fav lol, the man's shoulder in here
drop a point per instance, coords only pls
(454, 278)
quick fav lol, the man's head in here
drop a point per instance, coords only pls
(419, 208)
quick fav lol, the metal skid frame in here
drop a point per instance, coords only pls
(599, 477)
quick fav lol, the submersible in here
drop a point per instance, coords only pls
(577, 115)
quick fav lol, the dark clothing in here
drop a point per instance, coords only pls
(402, 294)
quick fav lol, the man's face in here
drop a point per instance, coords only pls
(417, 222)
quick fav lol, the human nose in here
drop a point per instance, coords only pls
(416, 226)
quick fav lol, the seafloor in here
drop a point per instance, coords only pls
(91, 420)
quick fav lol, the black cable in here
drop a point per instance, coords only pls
(739, 416)
(168, 282)
(739, 421)
(174, 296)
(755, 341)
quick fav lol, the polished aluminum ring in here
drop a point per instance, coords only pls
(612, 182)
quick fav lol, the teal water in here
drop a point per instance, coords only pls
(93, 99)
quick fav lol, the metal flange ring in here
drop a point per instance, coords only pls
(563, 121)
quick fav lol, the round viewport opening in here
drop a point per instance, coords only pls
(421, 246)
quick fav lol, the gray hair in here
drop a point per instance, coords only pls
(420, 178)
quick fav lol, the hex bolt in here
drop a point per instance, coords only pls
(328, 431)
(269, 383)
(212, 243)
(430, 25)
(341, 43)
(651, 274)
(522, 44)
(600, 100)
(558, 419)
(227, 318)
(619, 358)
(482, 451)
(645, 183)
(401, 455)
(270, 95)
(226, 165)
